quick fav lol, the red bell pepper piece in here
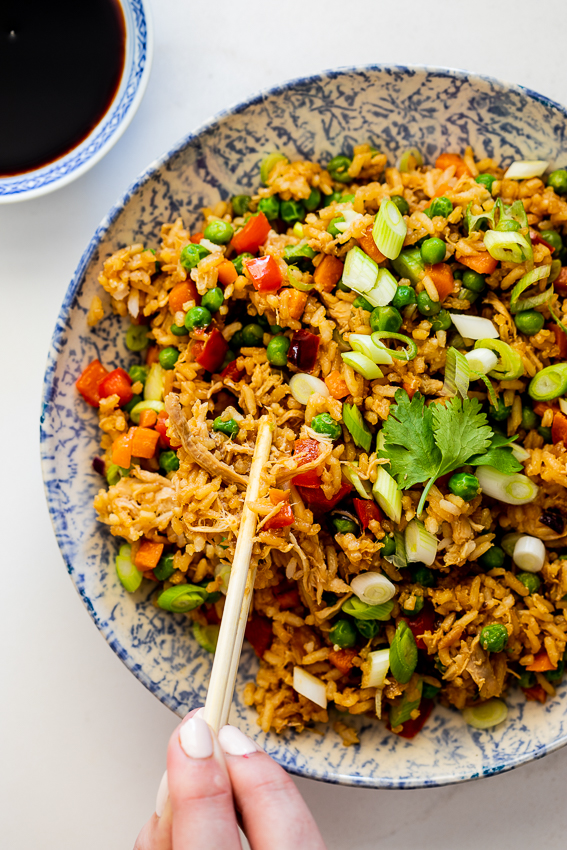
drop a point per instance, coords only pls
(287, 595)
(259, 633)
(232, 372)
(411, 727)
(537, 240)
(196, 238)
(316, 500)
(213, 352)
(367, 512)
(342, 659)
(560, 282)
(89, 381)
(253, 234)
(303, 350)
(424, 622)
(411, 391)
(117, 382)
(560, 339)
(307, 479)
(282, 519)
(559, 429)
(535, 694)
(161, 428)
(306, 451)
(265, 273)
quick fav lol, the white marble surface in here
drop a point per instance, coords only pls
(82, 742)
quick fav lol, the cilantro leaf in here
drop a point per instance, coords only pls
(461, 430)
(409, 441)
(499, 455)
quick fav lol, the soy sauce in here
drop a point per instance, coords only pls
(61, 62)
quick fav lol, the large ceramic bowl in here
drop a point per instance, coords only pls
(135, 75)
(318, 117)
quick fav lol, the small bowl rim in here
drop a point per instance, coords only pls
(14, 196)
(49, 389)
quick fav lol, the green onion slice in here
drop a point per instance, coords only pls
(508, 246)
(377, 353)
(421, 545)
(510, 365)
(514, 489)
(401, 709)
(550, 383)
(403, 653)
(388, 495)
(362, 487)
(525, 169)
(363, 365)
(410, 160)
(294, 276)
(206, 636)
(383, 290)
(360, 271)
(150, 404)
(355, 607)
(487, 714)
(457, 373)
(411, 352)
(399, 558)
(528, 279)
(410, 264)
(357, 427)
(182, 598)
(153, 388)
(268, 164)
(389, 230)
(129, 575)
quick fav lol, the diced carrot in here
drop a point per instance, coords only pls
(328, 273)
(411, 391)
(560, 339)
(152, 355)
(541, 663)
(481, 263)
(336, 385)
(560, 282)
(342, 659)
(196, 238)
(442, 190)
(148, 418)
(89, 381)
(559, 429)
(277, 496)
(122, 449)
(445, 160)
(293, 302)
(442, 277)
(542, 407)
(535, 694)
(148, 555)
(144, 442)
(182, 293)
(226, 273)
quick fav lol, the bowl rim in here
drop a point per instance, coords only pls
(13, 187)
(49, 391)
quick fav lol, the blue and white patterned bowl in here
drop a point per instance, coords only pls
(135, 75)
(318, 117)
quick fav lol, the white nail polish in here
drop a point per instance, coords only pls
(162, 795)
(236, 743)
(195, 739)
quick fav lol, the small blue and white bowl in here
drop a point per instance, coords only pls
(315, 118)
(135, 74)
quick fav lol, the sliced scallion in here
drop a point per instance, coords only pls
(539, 273)
(409, 354)
(389, 230)
(364, 344)
(421, 545)
(310, 687)
(514, 489)
(360, 271)
(388, 495)
(487, 714)
(403, 653)
(509, 541)
(410, 264)
(529, 553)
(223, 570)
(507, 246)
(362, 486)
(128, 573)
(356, 426)
(474, 327)
(520, 453)
(549, 383)
(383, 290)
(303, 386)
(526, 169)
(155, 382)
(373, 588)
(363, 365)
(401, 710)
(510, 365)
(376, 668)
(268, 163)
(410, 160)
(355, 607)
(206, 636)
(481, 360)
(399, 558)
(294, 276)
(457, 373)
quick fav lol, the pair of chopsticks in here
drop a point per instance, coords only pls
(239, 595)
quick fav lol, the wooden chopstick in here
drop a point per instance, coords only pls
(239, 595)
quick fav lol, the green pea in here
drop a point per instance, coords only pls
(192, 255)
(277, 351)
(405, 295)
(485, 180)
(508, 225)
(442, 322)
(169, 461)
(368, 628)
(346, 199)
(343, 634)
(168, 357)
(270, 207)
(343, 287)
(324, 423)
(240, 204)
(360, 301)
(236, 340)
(412, 612)
(132, 404)
(197, 317)
(554, 239)
(529, 322)
(558, 181)
(530, 419)
(401, 204)
(181, 598)
(458, 273)
(474, 280)
(332, 228)
(333, 198)
(530, 581)
(467, 295)
(138, 373)
(338, 169)
(388, 547)
(275, 329)
(426, 306)
(545, 433)
(292, 211)
(424, 576)
(429, 691)
(114, 473)
(313, 202)
(527, 679)
(500, 412)
(345, 526)
(213, 299)
(229, 427)
(178, 330)
(237, 262)
(137, 337)
(440, 206)
(165, 568)
(386, 319)
(252, 335)
(219, 232)
(465, 485)
(433, 251)
(493, 558)
(493, 638)
(555, 676)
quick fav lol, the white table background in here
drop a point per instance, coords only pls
(82, 741)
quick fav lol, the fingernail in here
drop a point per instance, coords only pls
(195, 739)
(200, 713)
(162, 795)
(236, 743)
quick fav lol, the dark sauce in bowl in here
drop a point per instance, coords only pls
(61, 62)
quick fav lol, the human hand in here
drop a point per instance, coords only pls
(208, 780)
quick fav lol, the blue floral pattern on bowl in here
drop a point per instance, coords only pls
(318, 117)
(137, 62)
